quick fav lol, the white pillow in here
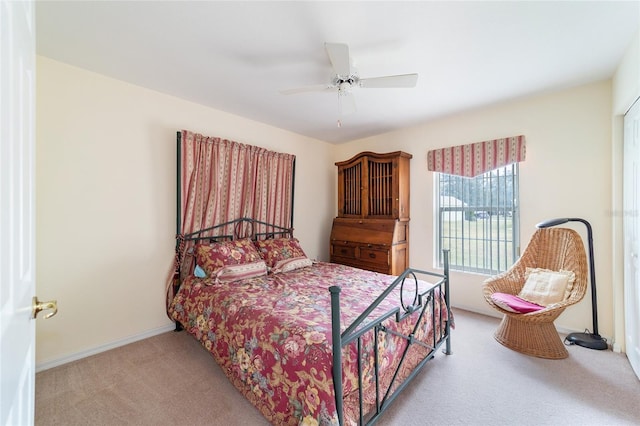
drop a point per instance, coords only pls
(544, 287)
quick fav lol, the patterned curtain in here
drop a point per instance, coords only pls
(222, 180)
(477, 158)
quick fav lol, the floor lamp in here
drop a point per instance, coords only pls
(587, 340)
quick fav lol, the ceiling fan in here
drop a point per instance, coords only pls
(346, 78)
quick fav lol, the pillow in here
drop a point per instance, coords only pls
(213, 257)
(544, 287)
(287, 265)
(199, 272)
(512, 303)
(276, 250)
(245, 271)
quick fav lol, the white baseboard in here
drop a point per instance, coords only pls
(83, 354)
(102, 348)
(489, 313)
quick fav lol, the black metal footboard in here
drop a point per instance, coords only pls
(354, 332)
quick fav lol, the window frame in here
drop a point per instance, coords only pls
(507, 247)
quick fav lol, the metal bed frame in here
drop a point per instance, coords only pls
(422, 301)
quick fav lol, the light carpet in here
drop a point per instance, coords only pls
(170, 379)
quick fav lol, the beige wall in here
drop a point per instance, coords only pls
(567, 173)
(105, 194)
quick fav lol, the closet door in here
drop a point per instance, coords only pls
(631, 223)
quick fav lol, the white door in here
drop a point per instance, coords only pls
(631, 223)
(17, 238)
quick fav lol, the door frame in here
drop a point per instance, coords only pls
(631, 232)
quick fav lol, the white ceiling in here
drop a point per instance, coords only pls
(236, 56)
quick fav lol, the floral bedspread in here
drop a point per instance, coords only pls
(272, 337)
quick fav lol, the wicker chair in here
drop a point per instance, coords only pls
(534, 333)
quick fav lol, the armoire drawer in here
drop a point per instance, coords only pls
(372, 255)
(343, 250)
(382, 268)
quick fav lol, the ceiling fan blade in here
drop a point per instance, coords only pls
(339, 56)
(347, 102)
(403, 80)
(316, 88)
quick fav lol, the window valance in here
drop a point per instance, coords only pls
(477, 158)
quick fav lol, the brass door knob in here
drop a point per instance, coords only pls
(38, 306)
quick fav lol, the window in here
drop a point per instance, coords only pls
(477, 220)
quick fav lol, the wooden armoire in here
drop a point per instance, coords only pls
(372, 228)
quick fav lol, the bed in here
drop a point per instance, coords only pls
(308, 342)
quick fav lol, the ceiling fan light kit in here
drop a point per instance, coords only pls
(345, 79)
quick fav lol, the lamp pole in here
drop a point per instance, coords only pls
(587, 340)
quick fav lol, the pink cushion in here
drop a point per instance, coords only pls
(512, 303)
